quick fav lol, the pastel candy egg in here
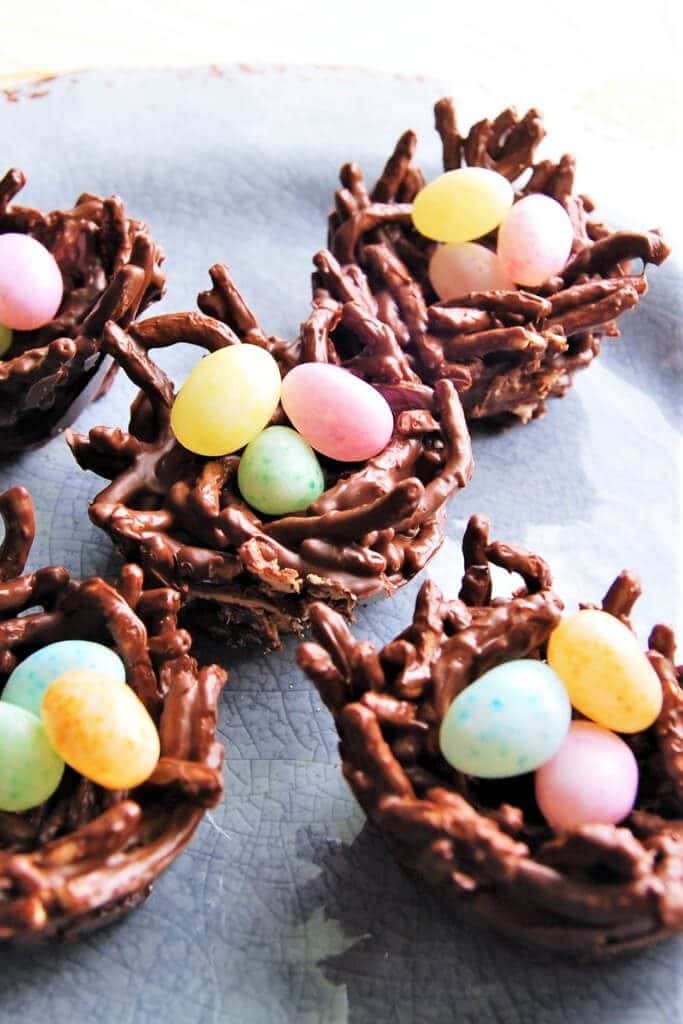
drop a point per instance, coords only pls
(101, 728)
(534, 240)
(607, 676)
(339, 414)
(5, 340)
(31, 285)
(591, 780)
(455, 270)
(26, 686)
(227, 400)
(463, 204)
(510, 721)
(30, 770)
(279, 473)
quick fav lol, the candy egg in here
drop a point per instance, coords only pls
(101, 728)
(463, 204)
(510, 721)
(31, 285)
(30, 770)
(591, 780)
(26, 686)
(5, 340)
(607, 676)
(455, 270)
(534, 240)
(339, 415)
(227, 400)
(279, 473)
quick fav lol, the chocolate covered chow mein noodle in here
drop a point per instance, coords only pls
(90, 854)
(506, 350)
(244, 576)
(110, 268)
(589, 891)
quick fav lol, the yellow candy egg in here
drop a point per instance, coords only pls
(607, 676)
(227, 400)
(461, 205)
(98, 725)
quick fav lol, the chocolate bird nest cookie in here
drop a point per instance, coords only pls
(89, 854)
(506, 351)
(111, 272)
(591, 891)
(246, 577)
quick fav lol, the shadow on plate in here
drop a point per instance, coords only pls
(412, 960)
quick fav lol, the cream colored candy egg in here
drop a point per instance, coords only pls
(456, 270)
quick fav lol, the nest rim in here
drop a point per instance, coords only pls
(375, 526)
(507, 352)
(591, 893)
(88, 856)
(111, 267)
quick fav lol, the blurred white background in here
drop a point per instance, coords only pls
(607, 70)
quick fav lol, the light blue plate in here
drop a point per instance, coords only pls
(287, 909)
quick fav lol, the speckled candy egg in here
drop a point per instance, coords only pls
(509, 721)
(463, 204)
(591, 780)
(607, 676)
(279, 472)
(31, 285)
(101, 728)
(30, 770)
(227, 400)
(455, 270)
(26, 686)
(534, 240)
(339, 414)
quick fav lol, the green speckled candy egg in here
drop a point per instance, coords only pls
(279, 472)
(30, 770)
(27, 684)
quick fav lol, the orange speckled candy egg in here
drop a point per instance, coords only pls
(99, 726)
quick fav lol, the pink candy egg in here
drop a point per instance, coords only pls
(31, 285)
(337, 413)
(591, 780)
(455, 270)
(534, 240)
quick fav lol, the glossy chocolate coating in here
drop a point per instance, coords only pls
(112, 271)
(596, 892)
(248, 578)
(89, 855)
(505, 351)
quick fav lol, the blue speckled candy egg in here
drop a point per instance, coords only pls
(510, 721)
(31, 678)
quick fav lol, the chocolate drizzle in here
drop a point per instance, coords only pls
(89, 855)
(242, 577)
(594, 892)
(374, 309)
(111, 271)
